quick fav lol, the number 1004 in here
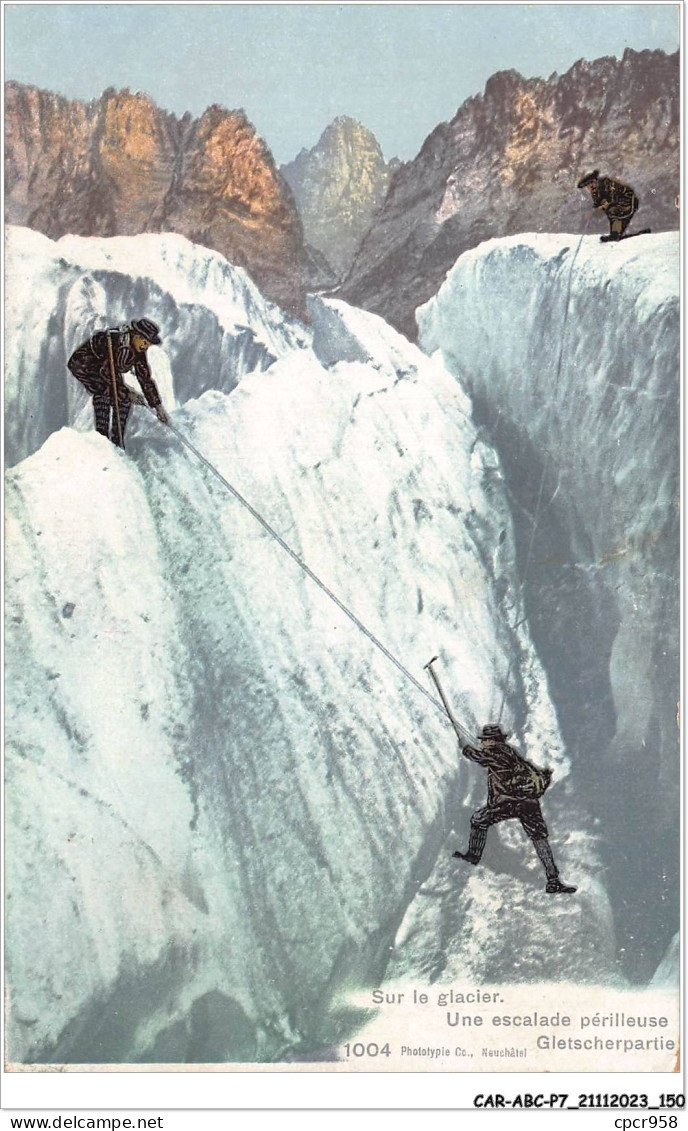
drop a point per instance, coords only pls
(372, 1049)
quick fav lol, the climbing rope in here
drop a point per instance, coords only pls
(467, 737)
(314, 577)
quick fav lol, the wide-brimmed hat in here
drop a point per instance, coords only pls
(493, 730)
(147, 330)
(589, 178)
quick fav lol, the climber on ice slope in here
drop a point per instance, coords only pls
(514, 789)
(99, 364)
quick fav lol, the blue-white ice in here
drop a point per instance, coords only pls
(232, 796)
(568, 349)
(217, 324)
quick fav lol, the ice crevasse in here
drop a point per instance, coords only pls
(569, 351)
(234, 797)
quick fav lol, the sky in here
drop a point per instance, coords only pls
(400, 69)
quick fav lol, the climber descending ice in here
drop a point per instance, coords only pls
(514, 789)
(514, 784)
(99, 364)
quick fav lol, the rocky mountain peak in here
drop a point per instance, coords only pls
(338, 186)
(345, 127)
(120, 165)
(508, 162)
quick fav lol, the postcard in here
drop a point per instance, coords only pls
(342, 538)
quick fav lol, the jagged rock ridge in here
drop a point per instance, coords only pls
(338, 186)
(120, 165)
(509, 161)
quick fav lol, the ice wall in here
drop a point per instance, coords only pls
(569, 351)
(216, 325)
(233, 796)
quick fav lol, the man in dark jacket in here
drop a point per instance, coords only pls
(92, 364)
(614, 198)
(514, 787)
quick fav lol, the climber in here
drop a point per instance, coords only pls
(100, 369)
(514, 787)
(617, 200)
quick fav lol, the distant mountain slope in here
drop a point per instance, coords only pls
(120, 165)
(338, 186)
(509, 161)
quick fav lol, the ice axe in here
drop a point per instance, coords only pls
(462, 734)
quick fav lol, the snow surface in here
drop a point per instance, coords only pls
(568, 349)
(241, 809)
(215, 324)
(233, 795)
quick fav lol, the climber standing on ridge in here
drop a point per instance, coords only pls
(99, 364)
(617, 200)
(514, 789)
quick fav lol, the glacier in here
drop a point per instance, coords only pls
(569, 351)
(242, 810)
(216, 325)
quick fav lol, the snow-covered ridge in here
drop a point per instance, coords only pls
(234, 797)
(216, 325)
(569, 350)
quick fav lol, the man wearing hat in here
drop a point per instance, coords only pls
(514, 788)
(99, 364)
(616, 199)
